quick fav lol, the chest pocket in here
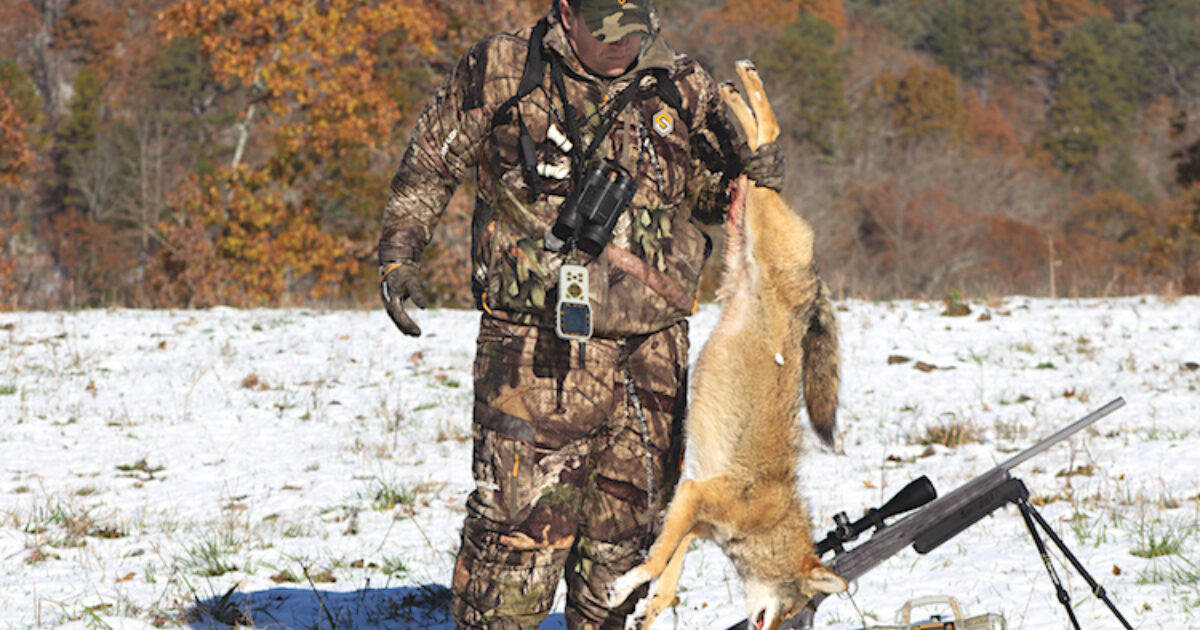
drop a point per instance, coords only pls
(669, 121)
(664, 151)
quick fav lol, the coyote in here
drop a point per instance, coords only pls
(776, 334)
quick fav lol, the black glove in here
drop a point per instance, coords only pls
(764, 165)
(400, 282)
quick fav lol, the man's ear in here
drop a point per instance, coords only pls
(565, 13)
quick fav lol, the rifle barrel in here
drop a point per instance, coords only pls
(1063, 434)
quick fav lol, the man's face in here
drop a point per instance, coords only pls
(609, 59)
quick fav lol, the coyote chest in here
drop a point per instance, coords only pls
(747, 381)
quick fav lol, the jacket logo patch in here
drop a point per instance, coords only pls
(664, 124)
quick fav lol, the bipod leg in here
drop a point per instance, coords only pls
(1064, 598)
(1029, 513)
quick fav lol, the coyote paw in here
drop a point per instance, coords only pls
(643, 615)
(622, 587)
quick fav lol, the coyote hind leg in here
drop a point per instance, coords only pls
(742, 112)
(767, 129)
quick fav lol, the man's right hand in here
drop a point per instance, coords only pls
(402, 281)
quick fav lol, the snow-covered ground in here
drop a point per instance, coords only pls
(307, 469)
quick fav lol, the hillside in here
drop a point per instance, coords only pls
(188, 153)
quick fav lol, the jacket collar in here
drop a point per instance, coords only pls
(656, 52)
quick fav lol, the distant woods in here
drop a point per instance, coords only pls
(187, 153)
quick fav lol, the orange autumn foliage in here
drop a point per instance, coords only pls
(989, 129)
(15, 156)
(917, 240)
(139, 45)
(1174, 252)
(1013, 254)
(924, 101)
(1045, 22)
(91, 30)
(8, 263)
(1127, 242)
(317, 103)
(830, 11)
(717, 32)
(769, 14)
(241, 242)
(15, 34)
(16, 159)
(311, 64)
(95, 256)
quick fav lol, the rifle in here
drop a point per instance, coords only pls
(944, 518)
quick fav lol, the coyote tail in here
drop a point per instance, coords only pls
(822, 366)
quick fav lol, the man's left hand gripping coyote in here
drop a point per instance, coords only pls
(775, 337)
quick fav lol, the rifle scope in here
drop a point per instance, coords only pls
(918, 492)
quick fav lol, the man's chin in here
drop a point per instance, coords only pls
(616, 68)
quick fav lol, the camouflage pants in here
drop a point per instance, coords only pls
(561, 471)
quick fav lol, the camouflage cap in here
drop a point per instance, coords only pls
(614, 20)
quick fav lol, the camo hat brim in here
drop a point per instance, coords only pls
(614, 20)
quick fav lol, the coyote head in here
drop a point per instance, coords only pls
(780, 578)
(769, 604)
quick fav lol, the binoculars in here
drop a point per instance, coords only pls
(591, 209)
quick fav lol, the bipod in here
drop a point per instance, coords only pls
(1033, 519)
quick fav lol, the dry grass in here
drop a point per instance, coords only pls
(951, 433)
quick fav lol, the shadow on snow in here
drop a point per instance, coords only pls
(426, 606)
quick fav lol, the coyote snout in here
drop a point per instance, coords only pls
(776, 337)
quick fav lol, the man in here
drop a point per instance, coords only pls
(577, 446)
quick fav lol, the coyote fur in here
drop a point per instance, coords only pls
(776, 335)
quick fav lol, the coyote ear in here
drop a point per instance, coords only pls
(818, 578)
(823, 580)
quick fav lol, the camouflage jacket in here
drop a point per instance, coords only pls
(647, 277)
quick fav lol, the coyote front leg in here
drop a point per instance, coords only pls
(679, 523)
(662, 590)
